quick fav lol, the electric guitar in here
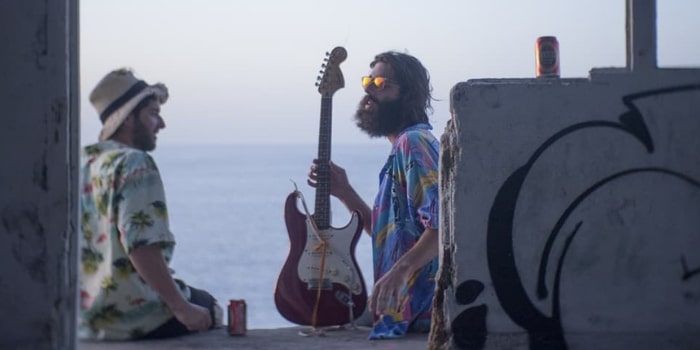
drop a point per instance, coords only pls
(320, 283)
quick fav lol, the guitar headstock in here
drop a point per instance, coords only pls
(331, 78)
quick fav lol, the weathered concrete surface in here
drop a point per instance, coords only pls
(289, 339)
(268, 339)
(38, 174)
(569, 208)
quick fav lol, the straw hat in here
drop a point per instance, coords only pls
(116, 95)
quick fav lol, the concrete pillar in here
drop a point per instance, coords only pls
(38, 173)
(641, 34)
(569, 209)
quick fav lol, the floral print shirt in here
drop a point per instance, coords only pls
(122, 207)
(407, 204)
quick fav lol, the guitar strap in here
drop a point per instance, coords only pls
(323, 245)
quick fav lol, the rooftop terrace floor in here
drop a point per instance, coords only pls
(268, 339)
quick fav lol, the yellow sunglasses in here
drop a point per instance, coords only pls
(379, 82)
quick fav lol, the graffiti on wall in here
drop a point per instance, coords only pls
(544, 327)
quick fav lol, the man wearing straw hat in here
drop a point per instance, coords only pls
(126, 287)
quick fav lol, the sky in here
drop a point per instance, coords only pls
(242, 72)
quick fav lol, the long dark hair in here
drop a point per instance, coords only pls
(414, 82)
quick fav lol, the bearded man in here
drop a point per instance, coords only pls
(126, 287)
(404, 216)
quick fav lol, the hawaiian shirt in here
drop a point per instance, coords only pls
(122, 207)
(406, 204)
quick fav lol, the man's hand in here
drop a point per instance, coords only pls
(194, 317)
(339, 184)
(387, 291)
(150, 265)
(341, 188)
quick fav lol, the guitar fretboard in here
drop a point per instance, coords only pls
(323, 182)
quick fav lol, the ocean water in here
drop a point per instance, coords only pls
(226, 205)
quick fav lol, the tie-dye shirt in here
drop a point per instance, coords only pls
(407, 204)
(122, 207)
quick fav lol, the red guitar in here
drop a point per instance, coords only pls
(320, 283)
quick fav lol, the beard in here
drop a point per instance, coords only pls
(143, 138)
(384, 120)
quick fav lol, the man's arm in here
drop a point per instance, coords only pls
(353, 202)
(390, 285)
(149, 263)
(340, 188)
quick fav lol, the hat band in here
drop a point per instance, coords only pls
(128, 95)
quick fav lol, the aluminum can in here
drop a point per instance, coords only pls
(547, 57)
(236, 317)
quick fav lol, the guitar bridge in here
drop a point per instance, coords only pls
(316, 284)
(343, 298)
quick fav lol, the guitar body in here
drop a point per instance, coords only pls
(299, 291)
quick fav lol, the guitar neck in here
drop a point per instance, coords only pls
(323, 192)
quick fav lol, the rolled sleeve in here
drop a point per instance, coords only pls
(143, 215)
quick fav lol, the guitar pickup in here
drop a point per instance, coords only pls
(316, 284)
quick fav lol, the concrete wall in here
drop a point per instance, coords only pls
(38, 178)
(571, 209)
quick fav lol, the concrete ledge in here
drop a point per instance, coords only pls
(289, 338)
(268, 339)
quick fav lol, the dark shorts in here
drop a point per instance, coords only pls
(173, 327)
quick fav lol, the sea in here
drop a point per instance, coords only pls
(226, 208)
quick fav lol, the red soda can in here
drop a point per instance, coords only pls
(547, 57)
(236, 317)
